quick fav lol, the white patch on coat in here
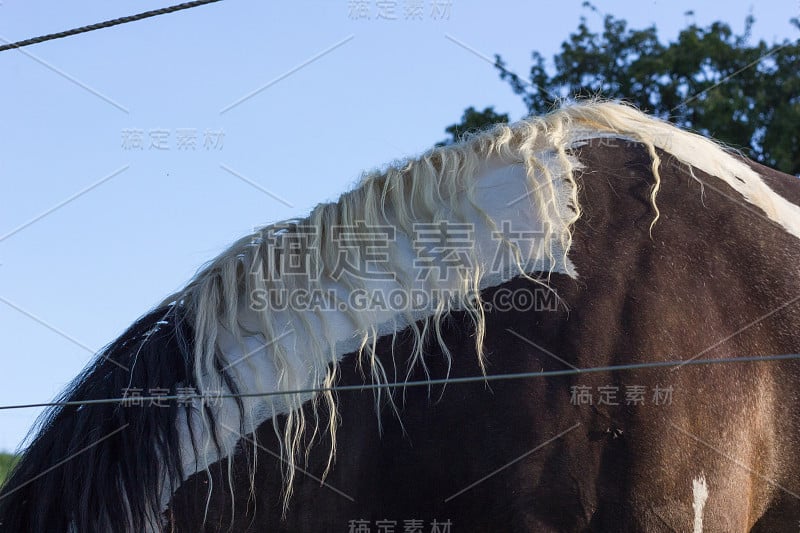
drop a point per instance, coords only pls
(699, 497)
(502, 193)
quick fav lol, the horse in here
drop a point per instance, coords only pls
(582, 321)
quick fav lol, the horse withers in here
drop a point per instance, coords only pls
(580, 322)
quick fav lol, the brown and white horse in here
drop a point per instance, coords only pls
(280, 390)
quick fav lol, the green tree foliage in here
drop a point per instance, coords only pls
(472, 121)
(709, 80)
(6, 463)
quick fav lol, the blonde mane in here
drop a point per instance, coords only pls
(432, 187)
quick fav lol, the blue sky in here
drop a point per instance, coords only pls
(73, 110)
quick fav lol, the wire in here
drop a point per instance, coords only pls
(422, 383)
(106, 24)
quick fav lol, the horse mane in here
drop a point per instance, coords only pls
(186, 349)
(425, 188)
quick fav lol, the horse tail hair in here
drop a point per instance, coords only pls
(90, 466)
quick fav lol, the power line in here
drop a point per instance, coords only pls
(421, 383)
(106, 24)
